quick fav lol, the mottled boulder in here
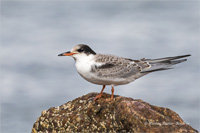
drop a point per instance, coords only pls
(120, 115)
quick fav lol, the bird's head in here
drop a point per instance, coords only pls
(79, 50)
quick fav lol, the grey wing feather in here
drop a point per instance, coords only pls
(115, 67)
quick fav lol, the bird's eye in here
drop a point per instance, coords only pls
(80, 50)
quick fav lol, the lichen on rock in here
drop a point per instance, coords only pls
(119, 115)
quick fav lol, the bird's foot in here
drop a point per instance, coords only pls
(108, 100)
(97, 97)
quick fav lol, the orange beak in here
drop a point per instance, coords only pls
(66, 54)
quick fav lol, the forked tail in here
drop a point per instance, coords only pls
(163, 63)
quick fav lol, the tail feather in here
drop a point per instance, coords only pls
(173, 62)
(163, 63)
(166, 58)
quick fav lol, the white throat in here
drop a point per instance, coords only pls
(83, 63)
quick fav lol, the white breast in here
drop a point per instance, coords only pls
(84, 64)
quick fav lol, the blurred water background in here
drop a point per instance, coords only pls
(33, 33)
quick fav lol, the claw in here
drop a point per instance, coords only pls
(100, 94)
(111, 98)
(97, 97)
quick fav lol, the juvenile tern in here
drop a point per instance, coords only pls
(112, 70)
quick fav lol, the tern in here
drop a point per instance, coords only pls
(105, 69)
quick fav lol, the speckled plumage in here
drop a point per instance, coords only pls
(118, 67)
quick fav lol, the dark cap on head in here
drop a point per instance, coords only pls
(85, 49)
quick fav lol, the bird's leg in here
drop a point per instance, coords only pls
(111, 98)
(100, 94)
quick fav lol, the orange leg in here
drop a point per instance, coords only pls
(100, 94)
(111, 98)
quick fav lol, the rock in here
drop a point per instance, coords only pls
(122, 114)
